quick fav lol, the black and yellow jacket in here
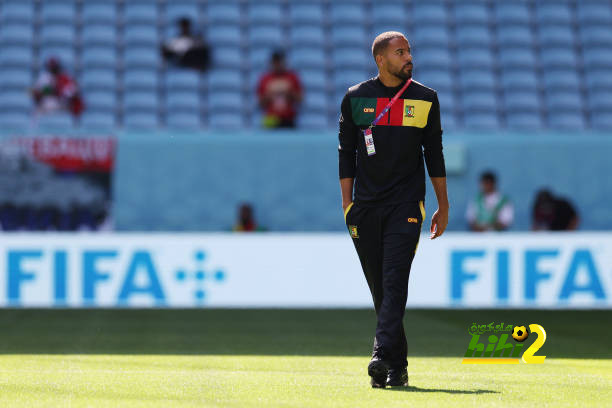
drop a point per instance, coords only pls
(411, 128)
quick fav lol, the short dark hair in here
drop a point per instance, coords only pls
(382, 40)
(488, 176)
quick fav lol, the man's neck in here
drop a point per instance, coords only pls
(389, 80)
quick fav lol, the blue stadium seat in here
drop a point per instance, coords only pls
(449, 120)
(598, 79)
(99, 34)
(266, 35)
(98, 120)
(482, 101)
(96, 12)
(310, 13)
(15, 78)
(600, 100)
(316, 102)
(471, 13)
(389, 13)
(524, 120)
(384, 26)
(140, 12)
(312, 120)
(228, 57)
(601, 120)
(227, 120)
(253, 78)
(14, 34)
(98, 79)
(591, 13)
(345, 78)
(15, 100)
(550, 36)
(475, 58)
(181, 79)
(597, 58)
(487, 120)
(226, 12)
(265, 13)
(352, 13)
(101, 100)
(183, 120)
(519, 79)
(431, 35)
(514, 36)
(351, 58)
(553, 12)
(343, 36)
(182, 100)
(141, 120)
(307, 58)
(140, 35)
(566, 121)
(521, 101)
(55, 121)
(140, 101)
(140, 79)
(16, 56)
(225, 80)
(58, 11)
(596, 36)
(509, 13)
(225, 101)
(429, 58)
(434, 13)
(65, 55)
(17, 11)
(141, 57)
(561, 79)
(563, 101)
(477, 79)
(561, 57)
(473, 35)
(57, 34)
(99, 57)
(179, 9)
(517, 57)
(224, 35)
(15, 120)
(310, 35)
(438, 79)
(313, 79)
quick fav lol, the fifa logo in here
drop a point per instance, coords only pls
(498, 350)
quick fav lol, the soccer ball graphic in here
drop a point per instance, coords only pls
(519, 333)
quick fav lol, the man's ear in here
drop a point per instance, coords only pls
(379, 60)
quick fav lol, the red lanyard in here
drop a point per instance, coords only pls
(391, 102)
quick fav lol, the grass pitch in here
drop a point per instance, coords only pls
(288, 358)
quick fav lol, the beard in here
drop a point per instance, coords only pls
(403, 74)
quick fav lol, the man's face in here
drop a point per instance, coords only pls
(278, 65)
(487, 186)
(396, 59)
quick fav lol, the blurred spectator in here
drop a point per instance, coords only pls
(279, 91)
(552, 213)
(490, 210)
(187, 50)
(246, 220)
(55, 90)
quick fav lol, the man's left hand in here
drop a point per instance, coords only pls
(439, 221)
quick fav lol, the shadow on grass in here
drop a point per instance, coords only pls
(276, 332)
(417, 389)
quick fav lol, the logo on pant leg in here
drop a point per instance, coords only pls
(413, 220)
(353, 231)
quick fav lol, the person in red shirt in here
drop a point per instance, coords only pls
(56, 90)
(279, 91)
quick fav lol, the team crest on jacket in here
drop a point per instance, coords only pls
(409, 111)
(353, 231)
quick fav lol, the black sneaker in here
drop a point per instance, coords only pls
(398, 377)
(377, 369)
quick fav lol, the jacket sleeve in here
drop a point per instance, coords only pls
(347, 136)
(432, 142)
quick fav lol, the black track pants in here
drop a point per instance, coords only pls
(386, 239)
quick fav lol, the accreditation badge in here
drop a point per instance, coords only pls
(369, 142)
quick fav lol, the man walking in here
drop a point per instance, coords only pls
(388, 124)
